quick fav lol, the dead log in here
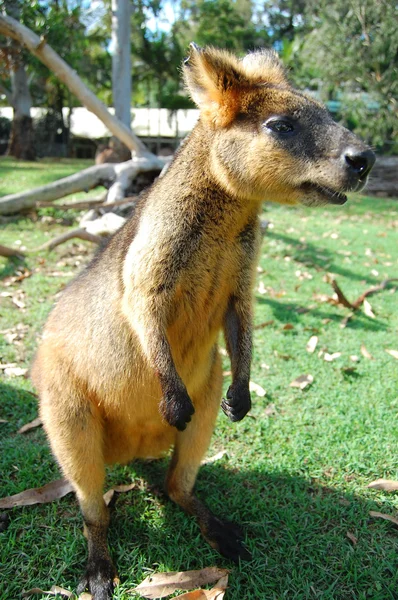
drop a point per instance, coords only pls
(9, 252)
(119, 176)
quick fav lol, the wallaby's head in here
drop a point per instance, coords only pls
(269, 141)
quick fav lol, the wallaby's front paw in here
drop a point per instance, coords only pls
(177, 409)
(238, 402)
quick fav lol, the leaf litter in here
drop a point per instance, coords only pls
(387, 485)
(161, 585)
(32, 425)
(302, 381)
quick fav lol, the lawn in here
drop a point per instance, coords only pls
(296, 469)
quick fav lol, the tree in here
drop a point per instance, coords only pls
(21, 136)
(354, 48)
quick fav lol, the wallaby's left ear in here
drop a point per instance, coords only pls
(215, 80)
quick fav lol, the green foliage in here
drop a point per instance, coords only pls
(352, 49)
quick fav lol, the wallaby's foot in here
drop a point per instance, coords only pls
(238, 402)
(99, 579)
(176, 408)
(226, 538)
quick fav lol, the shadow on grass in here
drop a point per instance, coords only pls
(290, 313)
(12, 264)
(307, 540)
(309, 255)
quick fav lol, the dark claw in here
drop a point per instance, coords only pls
(99, 579)
(177, 409)
(227, 538)
(238, 402)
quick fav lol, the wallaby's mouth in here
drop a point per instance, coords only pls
(329, 195)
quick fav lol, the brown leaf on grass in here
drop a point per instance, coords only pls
(302, 382)
(282, 356)
(312, 344)
(388, 485)
(367, 309)
(393, 353)
(365, 353)
(288, 327)
(119, 489)
(19, 276)
(49, 492)
(352, 537)
(161, 585)
(379, 515)
(216, 593)
(55, 590)
(257, 389)
(270, 410)
(214, 458)
(32, 425)
(265, 324)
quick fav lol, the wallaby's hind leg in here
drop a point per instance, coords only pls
(77, 445)
(189, 450)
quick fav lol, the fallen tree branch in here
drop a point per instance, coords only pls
(120, 174)
(343, 300)
(80, 233)
(8, 252)
(373, 290)
(39, 47)
(85, 180)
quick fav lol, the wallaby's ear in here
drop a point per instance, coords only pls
(215, 81)
(264, 66)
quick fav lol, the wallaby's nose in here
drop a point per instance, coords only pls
(359, 163)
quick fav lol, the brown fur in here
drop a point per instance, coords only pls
(128, 366)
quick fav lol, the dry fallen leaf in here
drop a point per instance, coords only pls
(214, 458)
(302, 382)
(49, 492)
(32, 425)
(365, 353)
(161, 585)
(367, 309)
(55, 590)
(312, 344)
(380, 515)
(352, 537)
(393, 353)
(388, 485)
(288, 327)
(119, 489)
(257, 389)
(331, 357)
(265, 324)
(270, 410)
(216, 593)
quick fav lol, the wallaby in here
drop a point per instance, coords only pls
(128, 366)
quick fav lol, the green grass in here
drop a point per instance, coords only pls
(295, 480)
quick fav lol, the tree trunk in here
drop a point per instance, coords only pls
(121, 60)
(21, 138)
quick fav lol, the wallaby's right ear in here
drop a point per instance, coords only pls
(215, 81)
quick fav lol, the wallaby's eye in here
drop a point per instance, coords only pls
(280, 125)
